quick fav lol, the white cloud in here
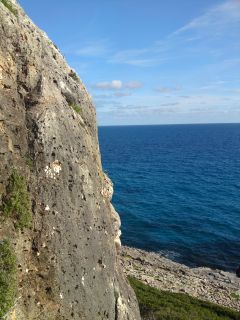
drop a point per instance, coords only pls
(167, 89)
(93, 49)
(113, 85)
(133, 85)
(101, 96)
(202, 35)
(117, 85)
(128, 55)
(235, 90)
(135, 57)
(122, 94)
(227, 13)
(181, 104)
(137, 62)
(194, 108)
(90, 51)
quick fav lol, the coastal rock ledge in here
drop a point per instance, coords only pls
(59, 234)
(206, 284)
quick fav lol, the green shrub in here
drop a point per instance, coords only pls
(8, 283)
(17, 203)
(73, 75)
(56, 47)
(9, 6)
(235, 296)
(76, 108)
(29, 162)
(161, 305)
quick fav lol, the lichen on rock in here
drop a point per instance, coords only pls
(7, 277)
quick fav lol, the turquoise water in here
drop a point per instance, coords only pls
(177, 190)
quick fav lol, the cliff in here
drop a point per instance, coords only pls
(59, 233)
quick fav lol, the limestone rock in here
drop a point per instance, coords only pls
(67, 262)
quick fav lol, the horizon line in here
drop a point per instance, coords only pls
(166, 124)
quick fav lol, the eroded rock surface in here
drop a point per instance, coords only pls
(215, 286)
(67, 262)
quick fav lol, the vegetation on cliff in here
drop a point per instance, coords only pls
(161, 305)
(76, 108)
(17, 203)
(9, 6)
(73, 75)
(7, 277)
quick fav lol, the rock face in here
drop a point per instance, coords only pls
(67, 264)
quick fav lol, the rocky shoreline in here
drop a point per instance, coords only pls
(207, 284)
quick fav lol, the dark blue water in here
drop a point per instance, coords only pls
(177, 190)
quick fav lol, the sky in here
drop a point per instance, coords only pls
(150, 61)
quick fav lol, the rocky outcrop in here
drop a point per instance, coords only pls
(67, 264)
(157, 271)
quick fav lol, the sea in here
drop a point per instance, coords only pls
(177, 190)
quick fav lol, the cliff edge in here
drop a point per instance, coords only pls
(59, 233)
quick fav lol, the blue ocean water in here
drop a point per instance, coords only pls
(177, 190)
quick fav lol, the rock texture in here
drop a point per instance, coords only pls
(215, 286)
(67, 262)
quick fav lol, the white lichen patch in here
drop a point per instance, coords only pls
(237, 293)
(64, 86)
(88, 185)
(83, 280)
(1, 73)
(53, 228)
(122, 308)
(116, 225)
(53, 169)
(107, 190)
(117, 241)
(2, 129)
(56, 167)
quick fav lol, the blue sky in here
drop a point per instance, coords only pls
(150, 61)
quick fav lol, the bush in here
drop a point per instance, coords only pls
(161, 305)
(73, 75)
(29, 162)
(17, 203)
(8, 283)
(76, 108)
(9, 6)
